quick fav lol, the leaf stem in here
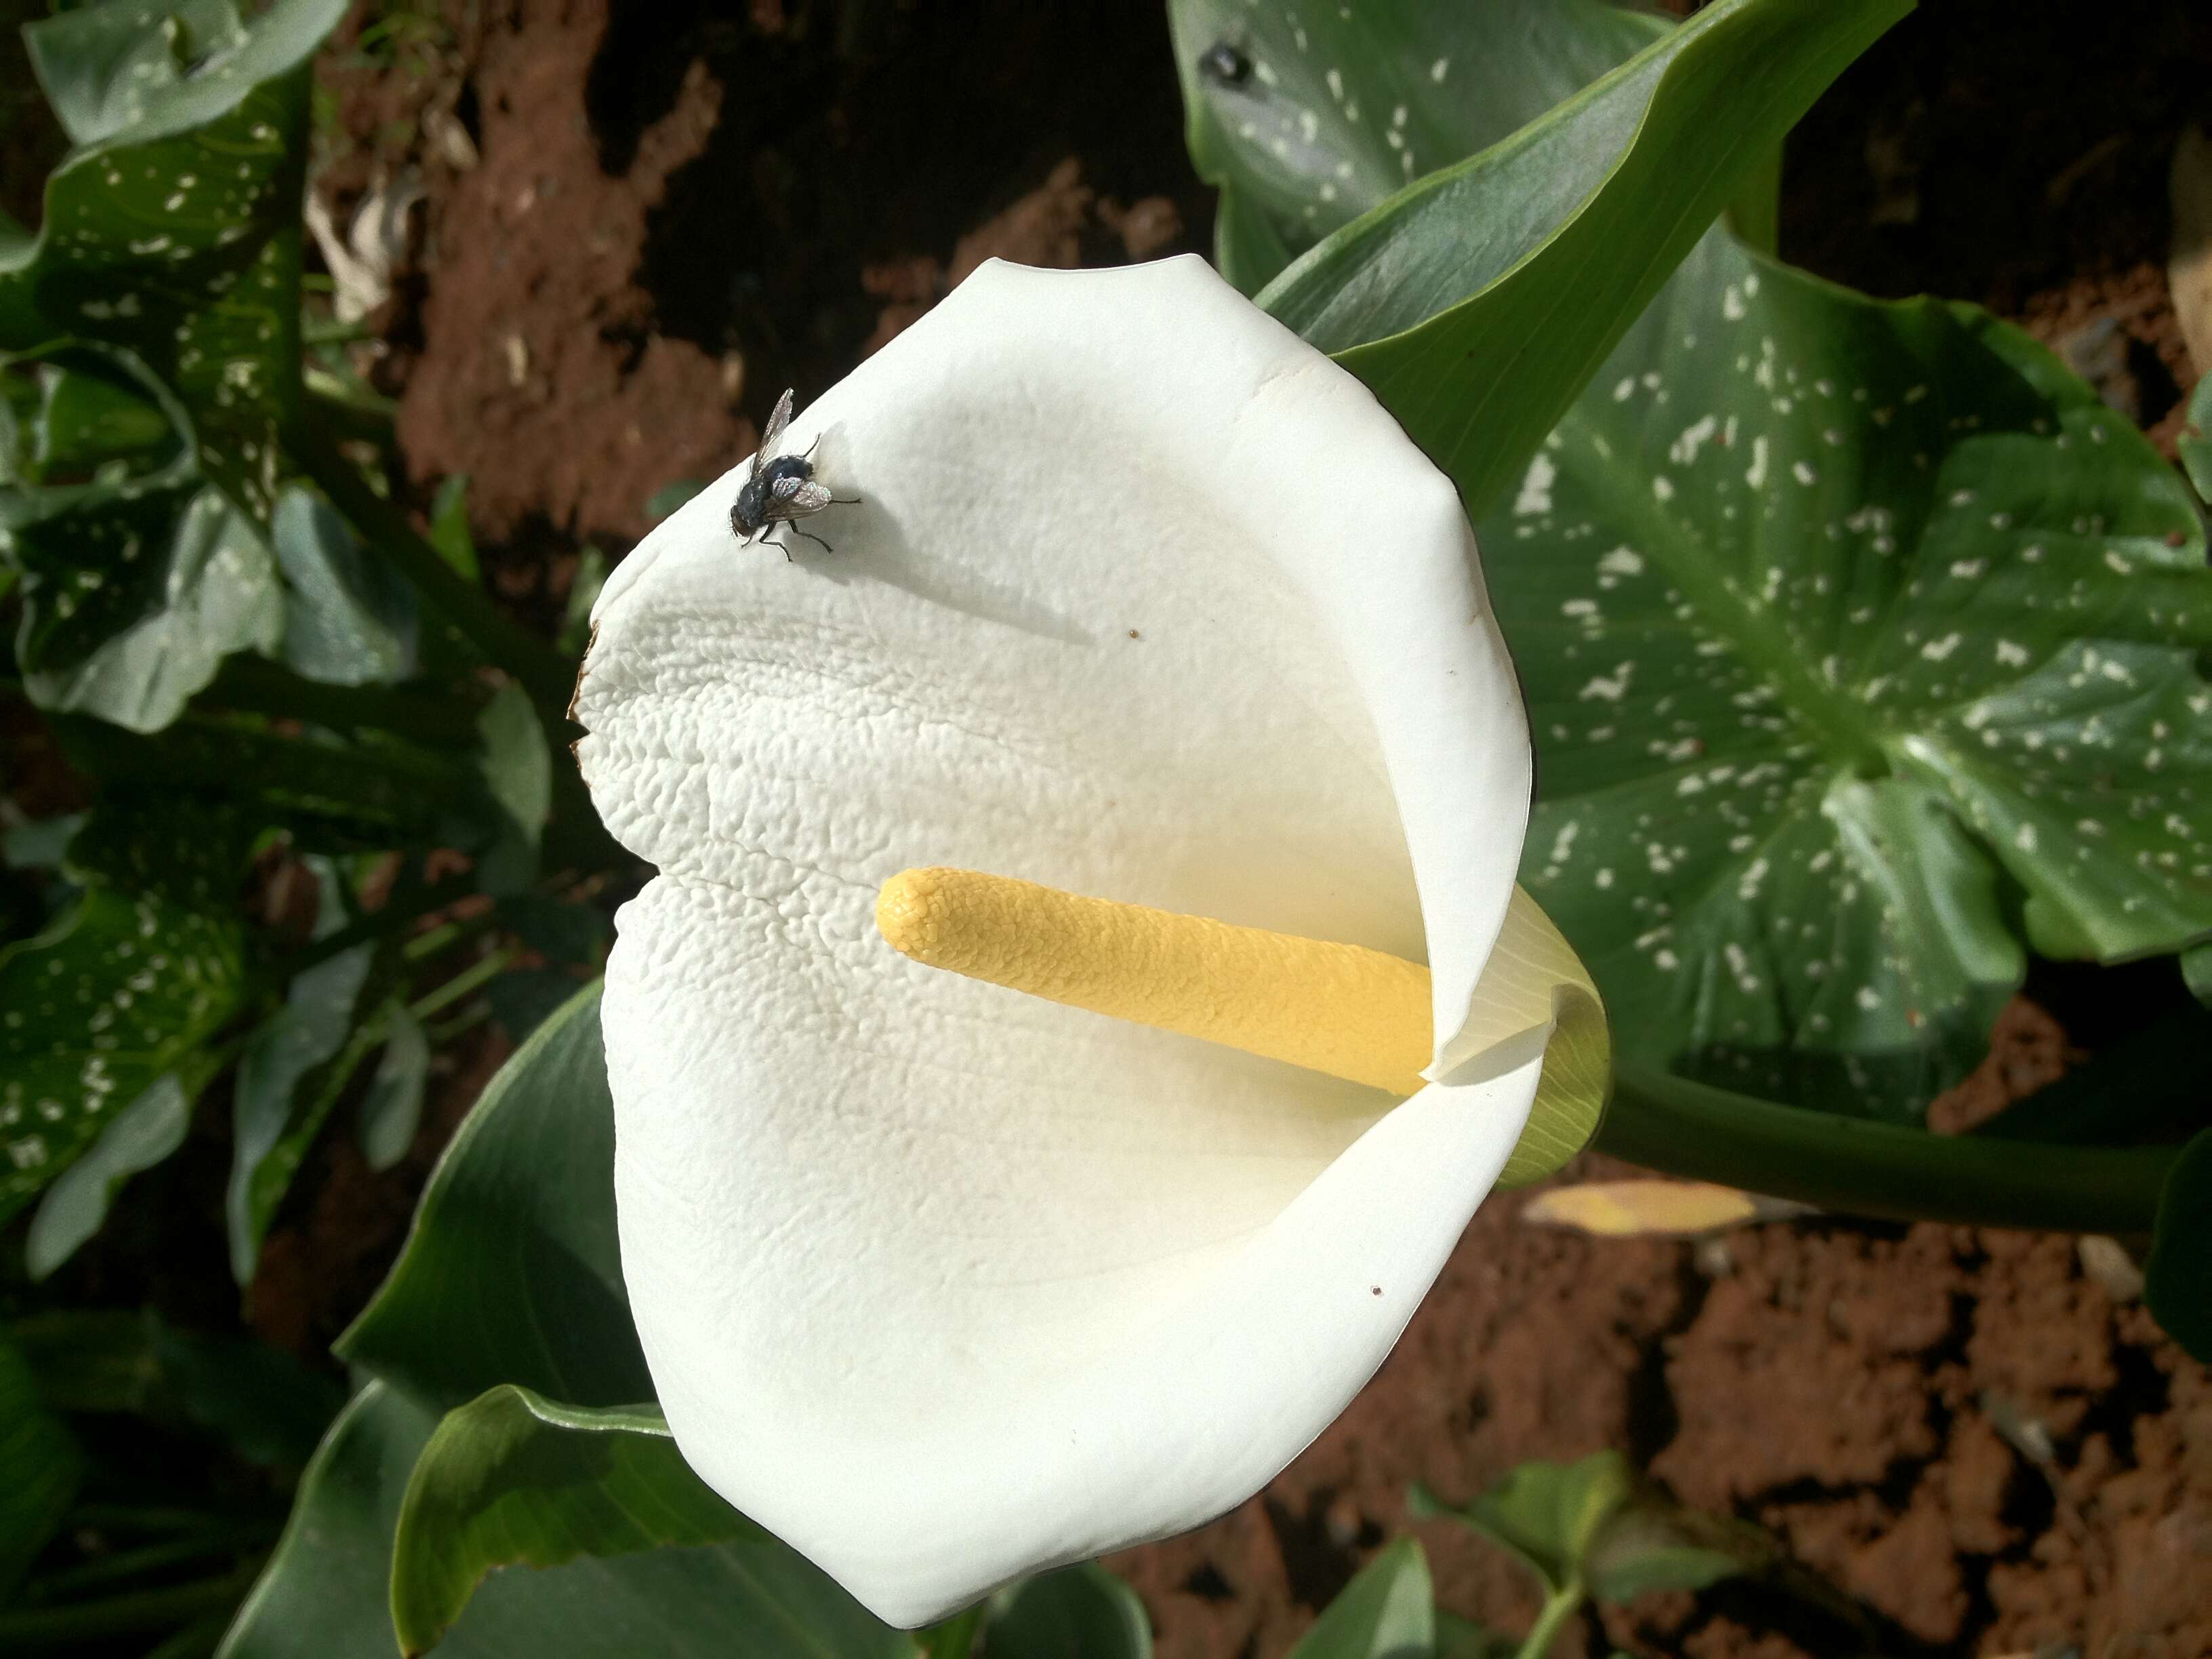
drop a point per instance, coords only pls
(350, 411)
(461, 984)
(542, 671)
(1562, 1605)
(396, 915)
(446, 1031)
(1849, 1164)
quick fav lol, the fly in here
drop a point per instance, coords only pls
(780, 490)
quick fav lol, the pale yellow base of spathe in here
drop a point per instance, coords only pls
(1354, 1014)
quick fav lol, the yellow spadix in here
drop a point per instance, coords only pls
(1352, 1012)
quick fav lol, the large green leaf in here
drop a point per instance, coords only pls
(1840, 621)
(1079, 1612)
(173, 229)
(512, 1272)
(1389, 1610)
(119, 991)
(2178, 1273)
(324, 1592)
(1477, 301)
(39, 1468)
(1293, 114)
(513, 1478)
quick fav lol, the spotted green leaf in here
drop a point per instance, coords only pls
(326, 1593)
(1476, 302)
(173, 228)
(122, 989)
(87, 418)
(514, 1478)
(1848, 630)
(1318, 112)
(133, 596)
(137, 1137)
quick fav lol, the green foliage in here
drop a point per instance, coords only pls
(517, 774)
(323, 1593)
(449, 527)
(1477, 301)
(124, 989)
(348, 620)
(39, 1468)
(1467, 77)
(292, 1072)
(137, 1137)
(2196, 971)
(138, 577)
(2177, 1274)
(1077, 1613)
(514, 1478)
(511, 1274)
(256, 1400)
(1387, 1612)
(1590, 1529)
(171, 230)
(1548, 1515)
(1844, 623)
(290, 1075)
(393, 1109)
(1860, 640)
(2194, 444)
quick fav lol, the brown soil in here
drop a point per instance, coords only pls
(1962, 1429)
(652, 226)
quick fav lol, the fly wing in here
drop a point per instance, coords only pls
(779, 417)
(794, 498)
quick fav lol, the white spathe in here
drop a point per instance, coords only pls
(1146, 598)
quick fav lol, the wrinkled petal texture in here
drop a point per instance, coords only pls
(1142, 598)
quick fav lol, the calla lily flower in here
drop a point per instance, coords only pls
(1140, 598)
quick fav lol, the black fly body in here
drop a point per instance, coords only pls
(780, 488)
